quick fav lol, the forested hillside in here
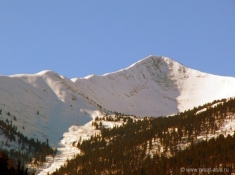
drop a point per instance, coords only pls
(9, 167)
(19, 149)
(160, 145)
(44, 110)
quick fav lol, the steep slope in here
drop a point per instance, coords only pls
(49, 106)
(45, 105)
(155, 86)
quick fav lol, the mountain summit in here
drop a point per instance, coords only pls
(49, 103)
(52, 108)
(155, 86)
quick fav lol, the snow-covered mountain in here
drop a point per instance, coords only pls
(46, 104)
(155, 86)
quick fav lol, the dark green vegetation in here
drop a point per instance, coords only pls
(26, 149)
(9, 167)
(158, 145)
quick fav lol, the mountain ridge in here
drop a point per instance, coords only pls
(167, 78)
(160, 85)
(50, 106)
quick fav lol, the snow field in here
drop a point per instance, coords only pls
(49, 106)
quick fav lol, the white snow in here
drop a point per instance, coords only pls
(50, 106)
(155, 86)
(67, 148)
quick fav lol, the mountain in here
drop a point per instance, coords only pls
(196, 138)
(155, 86)
(50, 106)
(46, 104)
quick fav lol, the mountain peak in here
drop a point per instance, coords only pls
(155, 86)
(46, 104)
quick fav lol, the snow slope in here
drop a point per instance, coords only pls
(155, 86)
(45, 104)
(49, 106)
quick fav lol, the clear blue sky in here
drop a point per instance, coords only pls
(78, 38)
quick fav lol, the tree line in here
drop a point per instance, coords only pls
(126, 149)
